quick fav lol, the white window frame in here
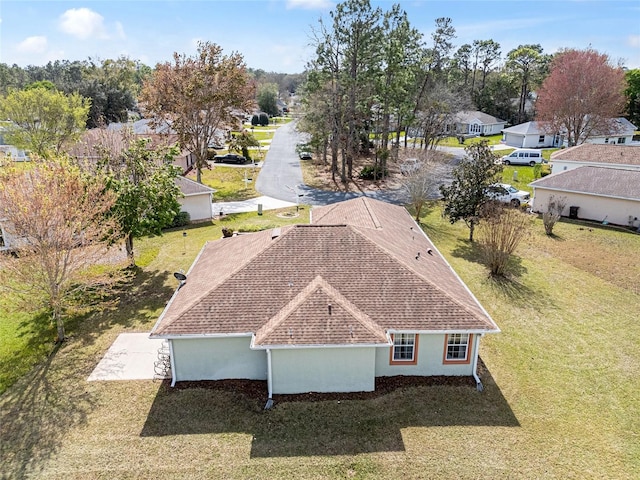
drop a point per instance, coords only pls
(404, 342)
(456, 341)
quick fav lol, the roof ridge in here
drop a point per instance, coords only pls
(372, 214)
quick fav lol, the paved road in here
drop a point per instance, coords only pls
(281, 175)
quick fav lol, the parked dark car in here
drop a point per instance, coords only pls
(230, 158)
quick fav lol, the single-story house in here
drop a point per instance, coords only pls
(593, 193)
(530, 135)
(8, 239)
(534, 135)
(14, 153)
(473, 122)
(197, 199)
(596, 155)
(359, 293)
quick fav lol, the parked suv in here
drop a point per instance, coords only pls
(523, 156)
(503, 192)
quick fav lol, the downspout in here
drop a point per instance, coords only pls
(173, 364)
(475, 363)
(269, 381)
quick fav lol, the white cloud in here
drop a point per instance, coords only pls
(82, 23)
(633, 41)
(309, 4)
(36, 44)
(120, 31)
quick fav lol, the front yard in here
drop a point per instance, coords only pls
(560, 398)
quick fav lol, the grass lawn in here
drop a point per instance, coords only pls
(453, 141)
(560, 398)
(229, 182)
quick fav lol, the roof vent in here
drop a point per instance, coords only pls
(275, 233)
(418, 256)
(329, 307)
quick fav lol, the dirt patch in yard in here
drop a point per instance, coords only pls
(317, 174)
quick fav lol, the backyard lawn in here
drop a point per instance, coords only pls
(560, 400)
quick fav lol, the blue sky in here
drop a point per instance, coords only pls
(274, 35)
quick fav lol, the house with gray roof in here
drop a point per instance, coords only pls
(530, 135)
(474, 122)
(599, 193)
(196, 200)
(535, 135)
(359, 293)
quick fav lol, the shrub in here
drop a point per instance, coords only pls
(373, 172)
(182, 219)
(264, 119)
(255, 120)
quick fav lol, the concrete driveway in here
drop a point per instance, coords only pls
(130, 357)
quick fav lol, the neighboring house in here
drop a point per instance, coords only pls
(359, 293)
(533, 135)
(530, 135)
(8, 241)
(476, 123)
(14, 153)
(622, 133)
(161, 135)
(601, 193)
(596, 155)
(197, 199)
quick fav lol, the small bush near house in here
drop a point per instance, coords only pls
(373, 172)
(182, 219)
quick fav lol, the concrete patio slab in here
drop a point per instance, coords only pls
(130, 357)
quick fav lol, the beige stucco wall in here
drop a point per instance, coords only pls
(617, 211)
(558, 166)
(430, 356)
(198, 206)
(217, 359)
(323, 370)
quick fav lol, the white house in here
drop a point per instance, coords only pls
(533, 135)
(596, 155)
(197, 199)
(530, 135)
(359, 293)
(603, 194)
(473, 122)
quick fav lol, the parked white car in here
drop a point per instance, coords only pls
(505, 193)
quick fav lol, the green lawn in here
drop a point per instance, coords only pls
(453, 141)
(560, 398)
(229, 182)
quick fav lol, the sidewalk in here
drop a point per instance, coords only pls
(251, 205)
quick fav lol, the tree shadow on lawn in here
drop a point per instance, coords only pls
(327, 424)
(50, 399)
(35, 416)
(145, 293)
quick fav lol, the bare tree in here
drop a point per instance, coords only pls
(58, 220)
(423, 178)
(553, 212)
(500, 233)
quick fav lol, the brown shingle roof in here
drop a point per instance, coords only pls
(279, 288)
(604, 181)
(600, 153)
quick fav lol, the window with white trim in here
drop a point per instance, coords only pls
(457, 346)
(404, 347)
(621, 140)
(541, 139)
